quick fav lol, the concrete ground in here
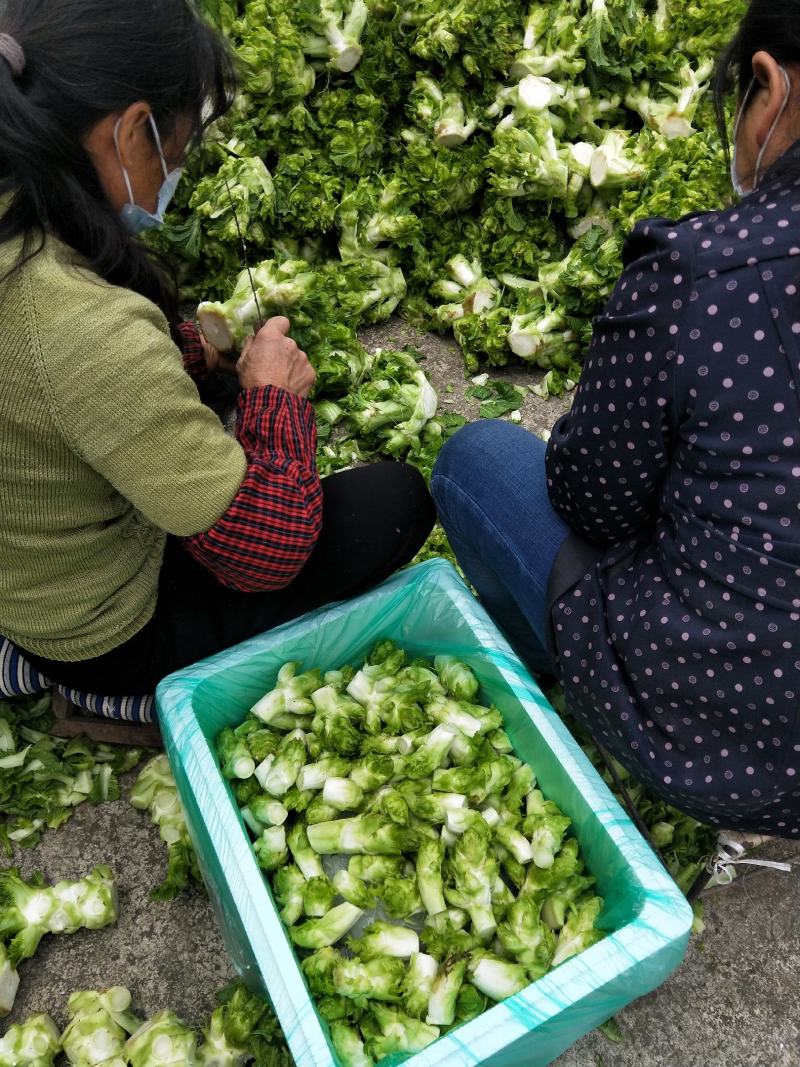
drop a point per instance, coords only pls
(444, 366)
(735, 1001)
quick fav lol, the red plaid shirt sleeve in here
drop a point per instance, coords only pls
(194, 360)
(265, 537)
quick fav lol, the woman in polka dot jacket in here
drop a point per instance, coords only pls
(655, 552)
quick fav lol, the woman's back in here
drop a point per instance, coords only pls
(688, 623)
(651, 557)
(736, 465)
(101, 433)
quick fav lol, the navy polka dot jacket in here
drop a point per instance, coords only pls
(678, 641)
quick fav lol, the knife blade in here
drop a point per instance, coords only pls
(246, 260)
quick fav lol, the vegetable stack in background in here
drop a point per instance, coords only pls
(473, 165)
(419, 871)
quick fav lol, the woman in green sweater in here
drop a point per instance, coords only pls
(135, 535)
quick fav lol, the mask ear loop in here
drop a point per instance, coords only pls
(125, 174)
(738, 188)
(160, 149)
(743, 108)
(773, 127)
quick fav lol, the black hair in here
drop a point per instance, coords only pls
(84, 60)
(768, 25)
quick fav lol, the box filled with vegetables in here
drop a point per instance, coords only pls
(405, 848)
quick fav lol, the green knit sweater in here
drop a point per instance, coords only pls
(105, 448)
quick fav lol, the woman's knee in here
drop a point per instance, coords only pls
(475, 458)
(404, 511)
(488, 441)
(409, 493)
(390, 497)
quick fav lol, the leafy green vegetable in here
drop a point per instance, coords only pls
(353, 889)
(241, 1028)
(319, 933)
(495, 977)
(270, 849)
(456, 677)
(546, 826)
(336, 31)
(579, 931)
(526, 937)
(392, 409)
(162, 1041)
(393, 1031)
(234, 755)
(100, 1024)
(430, 855)
(156, 793)
(289, 888)
(445, 989)
(497, 399)
(29, 909)
(419, 982)
(379, 978)
(9, 982)
(370, 835)
(349, 1045)
(306, 858)
(44, 778)
(318, 897)
(611, 1030)
(34, 1043)
(474, 870)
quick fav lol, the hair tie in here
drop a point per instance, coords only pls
(11, 51)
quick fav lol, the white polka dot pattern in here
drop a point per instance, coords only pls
(680, 649)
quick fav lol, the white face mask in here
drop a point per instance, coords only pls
(738, 188)
(136, 218)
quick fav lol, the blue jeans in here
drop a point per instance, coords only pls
(490, 489)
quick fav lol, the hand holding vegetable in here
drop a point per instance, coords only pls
(273, 358)
(217, 361)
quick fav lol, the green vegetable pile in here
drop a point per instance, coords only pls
(473, 165)
(398, 768)
(390, 410)
(44, 778)
(103, 1031)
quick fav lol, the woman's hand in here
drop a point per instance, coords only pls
(273, 358)
(217, 361)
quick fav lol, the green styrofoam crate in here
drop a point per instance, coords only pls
(426, 610)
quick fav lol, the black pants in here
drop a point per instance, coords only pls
(375, 520)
